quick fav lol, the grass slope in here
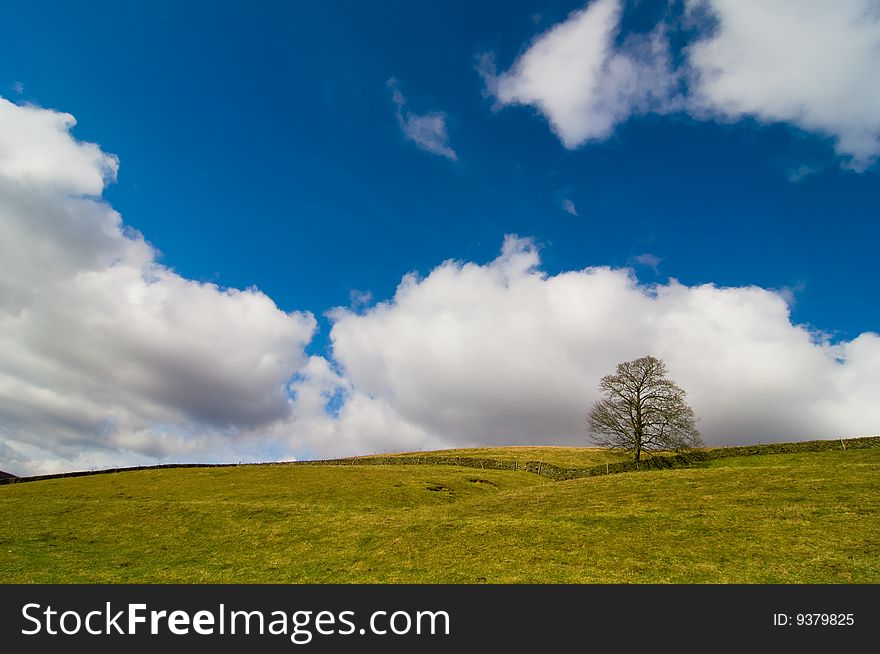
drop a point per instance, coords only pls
(565, 457)
(807, 517)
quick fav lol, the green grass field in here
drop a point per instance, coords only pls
(568, 457)
(805, 517)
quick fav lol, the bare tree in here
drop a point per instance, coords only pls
(640, 410)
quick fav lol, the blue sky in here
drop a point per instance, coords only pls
(260, 146)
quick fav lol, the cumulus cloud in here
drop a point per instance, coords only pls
(427, 131)
(568, 207)
(334, 418)
(582, 82)
(504, 353)
(109, 358)
(104, 353)
(811, 63)
(38, 151)
(807, 63)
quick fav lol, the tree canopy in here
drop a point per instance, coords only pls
(641, 410)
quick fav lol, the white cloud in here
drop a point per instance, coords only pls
(581, 82)
(360, 424)
(105, 355)
(503, 353)
(108, 358)
(427, 131)
(812, 63)
(568, 207)
(38, 151)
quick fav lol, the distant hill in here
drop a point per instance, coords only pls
(6, 475)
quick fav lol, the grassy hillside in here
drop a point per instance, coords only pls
(799, 517)
(566, 457)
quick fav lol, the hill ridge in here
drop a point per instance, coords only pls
(550, 471)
